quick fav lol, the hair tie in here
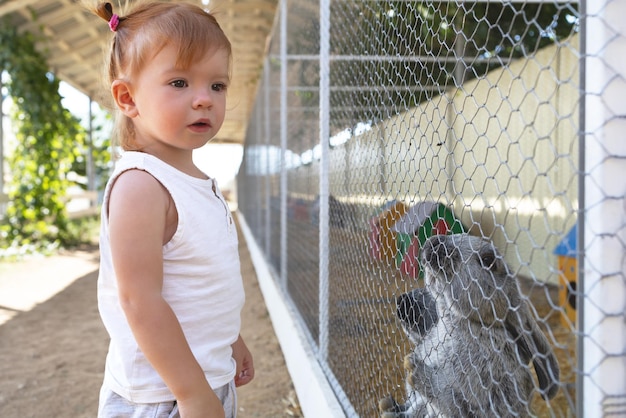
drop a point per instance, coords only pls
(113, 22)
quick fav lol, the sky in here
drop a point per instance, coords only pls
(220, 161)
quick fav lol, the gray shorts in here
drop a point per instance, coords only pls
(113, 405)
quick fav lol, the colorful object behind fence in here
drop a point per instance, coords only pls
(422, 221)
(383, 243)
(568, 266)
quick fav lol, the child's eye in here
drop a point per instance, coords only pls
(178, 84)
(219, 87)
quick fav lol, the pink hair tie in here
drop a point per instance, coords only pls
(113, 22)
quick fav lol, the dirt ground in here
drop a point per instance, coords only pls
(53, 345)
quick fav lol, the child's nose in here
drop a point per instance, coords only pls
(202, 98)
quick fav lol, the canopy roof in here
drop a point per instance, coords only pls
(75, 40)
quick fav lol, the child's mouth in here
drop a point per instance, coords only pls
(200, 126)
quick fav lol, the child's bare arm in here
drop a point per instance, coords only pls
(137, 224)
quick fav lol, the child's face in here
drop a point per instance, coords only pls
(179, 109)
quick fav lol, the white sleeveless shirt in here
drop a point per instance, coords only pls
(201, 282)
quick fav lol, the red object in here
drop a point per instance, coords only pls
(374, 238)
(441, 228)
(410, 262)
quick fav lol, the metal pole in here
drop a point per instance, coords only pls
(604, 297)
(283, 144)
(257, 177)
(91, 172)
(580, 239)
(268, 132)
(324, 171)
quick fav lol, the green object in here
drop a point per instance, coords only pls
(421, 222)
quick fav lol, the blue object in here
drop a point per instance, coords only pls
(567, 246)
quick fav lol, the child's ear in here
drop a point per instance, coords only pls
(122, 95)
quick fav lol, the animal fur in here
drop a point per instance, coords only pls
(473, 335)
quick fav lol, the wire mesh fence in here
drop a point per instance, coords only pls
(381, 126)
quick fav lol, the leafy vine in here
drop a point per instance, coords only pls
(49, 140)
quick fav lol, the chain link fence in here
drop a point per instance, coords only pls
(379, 124)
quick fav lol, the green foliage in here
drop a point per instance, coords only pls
(83, 232)
(49, 139)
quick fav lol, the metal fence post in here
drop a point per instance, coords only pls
(324, 167)
(604, 329)
(283, 144)
(267, 134)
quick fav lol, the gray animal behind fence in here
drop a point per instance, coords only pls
(473, 337)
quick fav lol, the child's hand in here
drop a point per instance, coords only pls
(245, 366)
(201, 407)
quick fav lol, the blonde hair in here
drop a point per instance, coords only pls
(143, 32)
